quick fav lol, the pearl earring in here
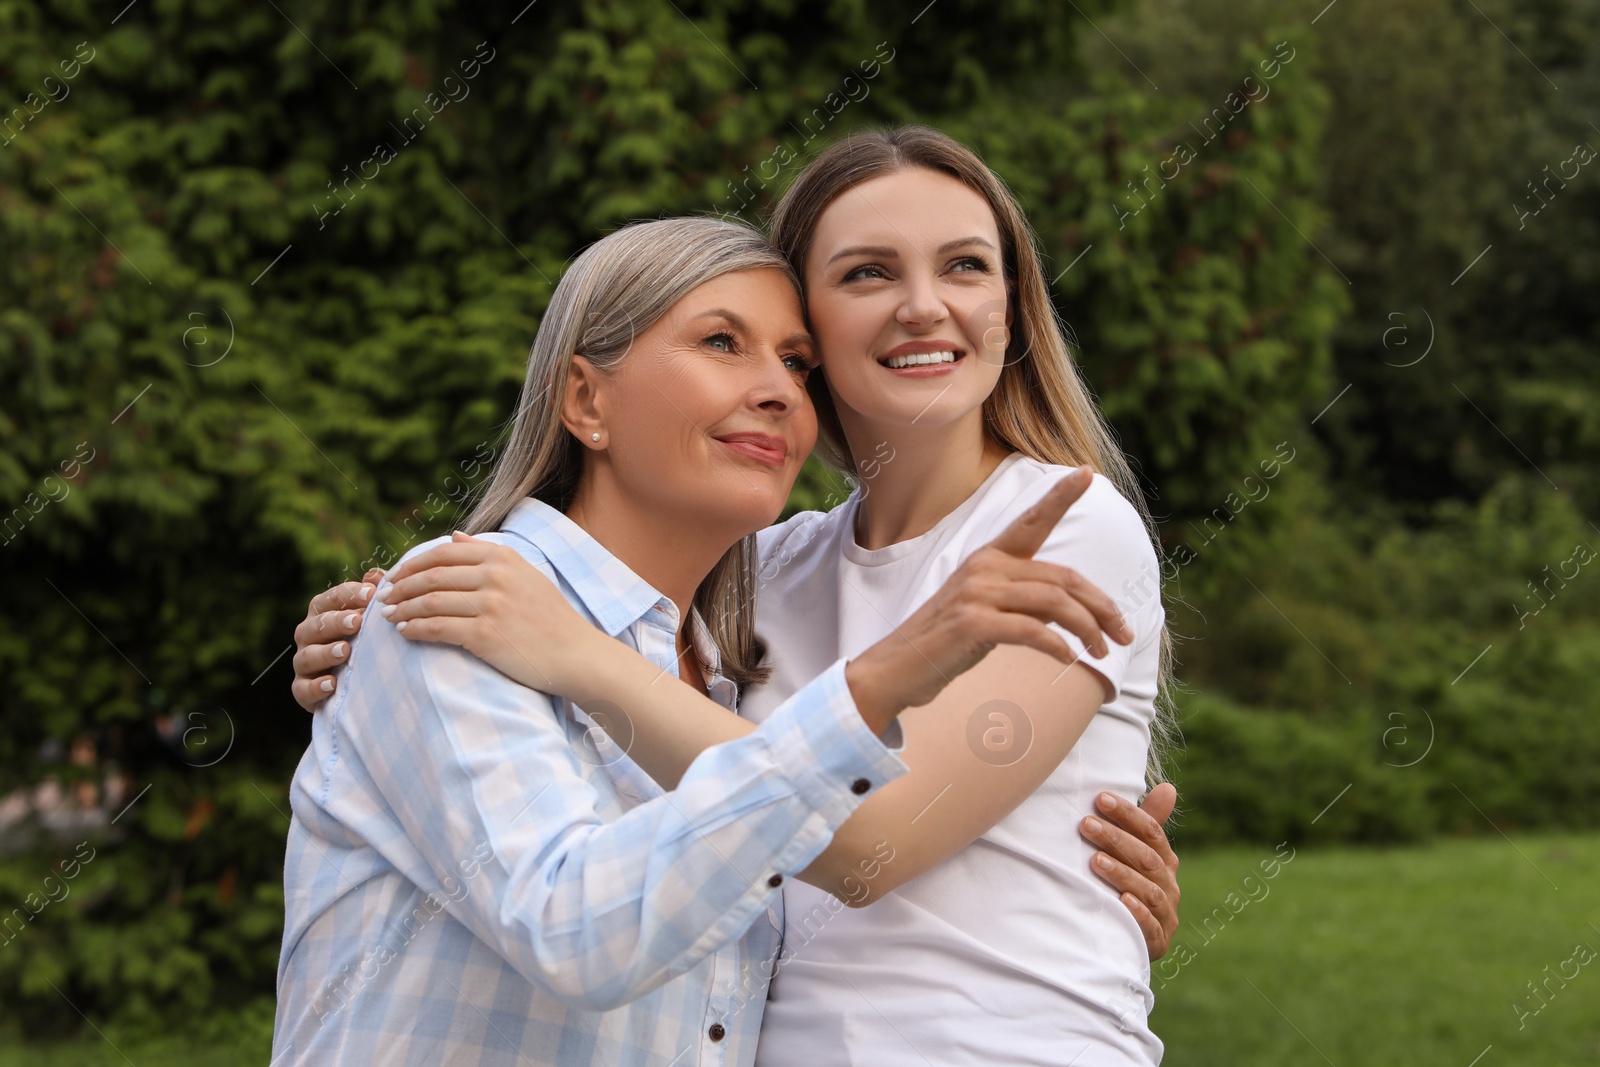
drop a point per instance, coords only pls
(594, 437)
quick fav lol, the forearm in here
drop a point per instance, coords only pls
(952, 795)
(668, 724)
(673, 724)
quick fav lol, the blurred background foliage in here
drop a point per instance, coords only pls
(241, 358)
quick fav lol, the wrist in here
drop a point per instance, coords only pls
(589, 675)
(876, 702)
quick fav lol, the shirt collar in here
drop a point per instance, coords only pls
(719, 687)
(614, 595)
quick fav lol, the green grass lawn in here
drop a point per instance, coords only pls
(1410, 956)
(1400, 956)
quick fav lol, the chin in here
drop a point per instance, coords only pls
(745, 523)
(943, 412)
(924, 405)
(744, 510)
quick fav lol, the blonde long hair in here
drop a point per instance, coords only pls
(616, 289)
(1040, 406)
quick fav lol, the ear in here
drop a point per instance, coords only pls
(583, 405)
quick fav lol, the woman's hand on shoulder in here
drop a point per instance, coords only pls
(332, 614)
(488, 599)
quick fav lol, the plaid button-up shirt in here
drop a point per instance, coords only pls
(472, 879)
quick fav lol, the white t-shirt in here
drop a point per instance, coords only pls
(1011, 951)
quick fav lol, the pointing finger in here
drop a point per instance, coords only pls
(1029, 530)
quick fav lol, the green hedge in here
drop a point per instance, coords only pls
(1461, 713)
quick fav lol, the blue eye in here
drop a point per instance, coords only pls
(805, 366)
(862, 272)
(977, 263)
(722, 338)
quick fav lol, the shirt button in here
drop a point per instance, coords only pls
(860, 786)
(775, 881)
(716, 1033)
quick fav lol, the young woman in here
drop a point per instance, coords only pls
(950, 392)
(463, 882)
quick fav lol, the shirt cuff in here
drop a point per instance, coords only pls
(821, 743)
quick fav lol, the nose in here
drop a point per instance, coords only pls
(921, 306)
(777, 391)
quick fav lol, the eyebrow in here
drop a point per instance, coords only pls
(723, 313)
(885, 252)
(800, 337)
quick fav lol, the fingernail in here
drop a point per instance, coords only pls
(327, 685)
(1106, 801)
(366, 593)
(1103, 862)
(339, 650)
(1092, 825)
(383, 595)
(388, 609)
(351, 619)
(401, 625)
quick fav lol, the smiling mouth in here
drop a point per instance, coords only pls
(920, 359)
(762, 448)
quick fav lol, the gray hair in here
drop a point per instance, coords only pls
(619, 287)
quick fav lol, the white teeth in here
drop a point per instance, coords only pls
(920, 359)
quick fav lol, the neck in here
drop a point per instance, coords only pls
(933, 470)
(671, 550)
